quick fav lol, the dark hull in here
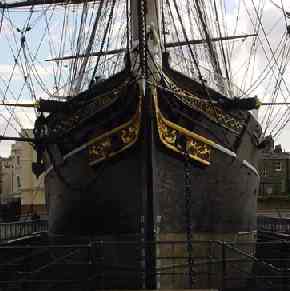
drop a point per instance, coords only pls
(109, 206)
(109, 198)
(98, 188)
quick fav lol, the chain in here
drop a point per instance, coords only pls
(142, 38)
(188, 208)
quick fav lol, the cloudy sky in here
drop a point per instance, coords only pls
(25, 75)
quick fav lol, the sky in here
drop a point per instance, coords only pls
(43, 39)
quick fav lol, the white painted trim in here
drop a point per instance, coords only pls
(251, 167)
(216, 146)
(225, 150)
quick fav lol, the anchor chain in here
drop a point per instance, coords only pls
(188, 217)
(142, 39)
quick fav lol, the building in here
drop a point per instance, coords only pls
(274, 191)
(18, 180)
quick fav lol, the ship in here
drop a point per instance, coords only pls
(155, 151)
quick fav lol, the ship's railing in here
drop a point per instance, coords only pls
(14, 230)
(108, 264)
(273, 224)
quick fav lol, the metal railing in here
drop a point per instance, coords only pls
(273, 224)
(108, 264)
(13, 230)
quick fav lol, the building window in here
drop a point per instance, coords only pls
(18, 181)
(277, 166)
(18, 160)
(264, 172)
(269, 190)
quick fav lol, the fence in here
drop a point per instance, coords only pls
(13, 230)
(122, 265)
(273, 224)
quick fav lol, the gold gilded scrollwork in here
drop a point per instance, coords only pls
(198, 147)
(214, 112)
(128, 134)
(103, 147)
(168, 134)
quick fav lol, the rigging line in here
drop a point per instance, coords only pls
(68, 82)
(15, 61)
(87, 37)
(128, 28)
(2, 18)
(163, 25)
(14, 117)
(8, 121)
(33, 58)
(189, 16)
(186, 38)
(119, 57)
(277, 6)
(63, 39)
(267, 40)
(225, 46)
(253, 51)
(236, 27)
(278, 132)
(74, 65)
(263, 75)
(211, 48)
(89, 46)
(278, 82)
(121, 35)
(43, 10)
(180, 49)
(12, 112)
(284, 82)
(272, 28)
(36, 75)
(277, 87)
(104, 37)
(280, 121)
(173, 23)
(157, 8)
(80, 41)
(26, 72)
(284, 12)
(222, 49)
(52, 49)
(16, 100)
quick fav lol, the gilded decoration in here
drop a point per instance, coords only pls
(88, 110)
(115, 141)
(212, 111)
(198, 147)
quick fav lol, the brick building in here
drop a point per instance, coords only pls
(274, 191)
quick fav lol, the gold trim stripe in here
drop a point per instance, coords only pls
(197, 146)
(102, 147)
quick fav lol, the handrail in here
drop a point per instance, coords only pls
(14, 230)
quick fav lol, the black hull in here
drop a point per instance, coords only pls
(110, 196)
(98, 187)
(108, 204)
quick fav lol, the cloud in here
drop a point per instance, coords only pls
(8, 71)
